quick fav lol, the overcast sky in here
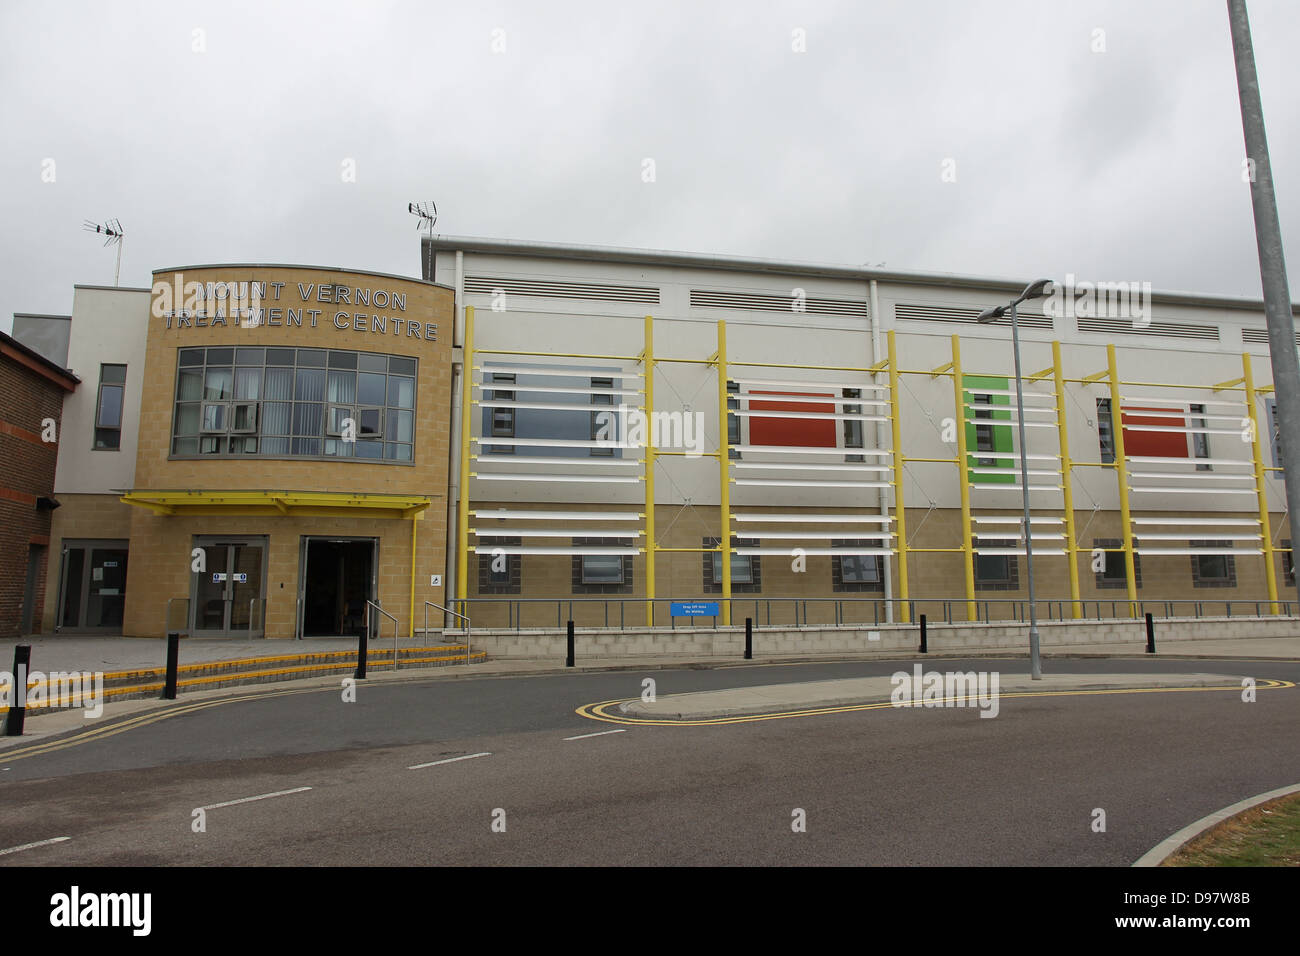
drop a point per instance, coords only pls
(226, 132)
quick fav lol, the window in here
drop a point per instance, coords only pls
(1213, 570)
(1288, 563)
(602, 573)
(1105, 431)
(1200, 442)
(499, 573)
(108, 407)
(857, 572)
(1275, 432)
(997, 572)
(734, 434)
(853, 430)
(603, 423)
(502, 420)
(984, 433)
(983, 395)
(1113, 573)
(745, 570)
(285, 402)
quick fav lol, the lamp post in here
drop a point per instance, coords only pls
(1034, 290)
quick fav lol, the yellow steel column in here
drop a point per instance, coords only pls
(467, 395)
(414, 518)
(648, 366)
(1261, 491)
(1121, 476)
(724, 470)
(1071, 547)
(900, 513)
(963, 477)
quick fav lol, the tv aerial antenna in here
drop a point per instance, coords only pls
(428, 215)
(111, 229)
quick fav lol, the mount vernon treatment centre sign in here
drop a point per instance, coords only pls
(252, 304)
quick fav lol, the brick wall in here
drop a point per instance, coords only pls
(26, 473)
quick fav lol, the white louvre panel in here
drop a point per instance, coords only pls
(758, 302)
(1037, 551)
(809, 450)
(558, 389)
(605, 479)
(561, 373)
(1150, 551)
(1181, 416)
(807, 386)
(790, 465)
(1011, 471)
(1243, 462)
(1011, 455)
(1019, 537)
(844, 519)
(1184, 431)
(525, 549)
(1014, 519)
(556, 532)
(1015, 423)
(561, 515)
(1167, 330)
(1260, 336)
(983, 487)
(812, 551)
(1146, 400)
(1212, 522)
(539, 460)
(839, 417)
(548, 406)
(805, 399)
(1010, 409)
(826, 535)
(1197, 475)
(938, 313)
(1196, 491)
(550, 442)
(1146, 536)
(995, 391)
(783, 483)
(549, 289)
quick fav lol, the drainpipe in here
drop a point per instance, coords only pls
(453, 490)
(887, 564)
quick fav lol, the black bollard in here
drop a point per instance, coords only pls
(1151, 634)
(173, 664)
(923, 641)
(749, 638)
(18, 705)
(361, 653)
(568, 661)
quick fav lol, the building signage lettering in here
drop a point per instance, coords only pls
(199, 305)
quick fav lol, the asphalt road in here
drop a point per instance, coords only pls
(882, 787)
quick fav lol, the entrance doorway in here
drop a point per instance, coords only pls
(92, 586)
(336, 578)
(227, 597)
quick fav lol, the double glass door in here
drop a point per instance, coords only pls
(92, 586)
(227, 596)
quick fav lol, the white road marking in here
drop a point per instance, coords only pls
(260, 796)
(600, 734)
(32, 846)
(434, 763)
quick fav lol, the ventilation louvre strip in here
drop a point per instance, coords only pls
(1260, 336)
(758, 302)
(938, 313)
(1168, 330)
(551, 289)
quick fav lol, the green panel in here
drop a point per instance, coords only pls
(1003, 439)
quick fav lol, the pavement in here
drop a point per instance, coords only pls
(111, 654)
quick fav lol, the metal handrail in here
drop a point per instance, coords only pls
(251, 602)
(429, 604)
(369, 605)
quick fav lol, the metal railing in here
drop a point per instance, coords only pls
(429, 604)
(838, 612)
(252, 615)
(369, 605)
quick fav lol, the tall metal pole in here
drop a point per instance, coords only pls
(117, 270)
(1272, 265)
(1036, 668)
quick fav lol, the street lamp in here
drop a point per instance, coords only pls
(1035, 290)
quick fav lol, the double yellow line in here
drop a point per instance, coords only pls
(601, 710)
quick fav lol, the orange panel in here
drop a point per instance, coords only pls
(809, 432)
(1154, 444)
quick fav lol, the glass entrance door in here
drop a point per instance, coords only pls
(92, 586)
(228, 593)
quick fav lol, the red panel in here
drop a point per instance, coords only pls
(810, 432)
(1154, 444)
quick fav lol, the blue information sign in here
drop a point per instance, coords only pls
(693, 608)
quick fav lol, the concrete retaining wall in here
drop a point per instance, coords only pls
(705, 642)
